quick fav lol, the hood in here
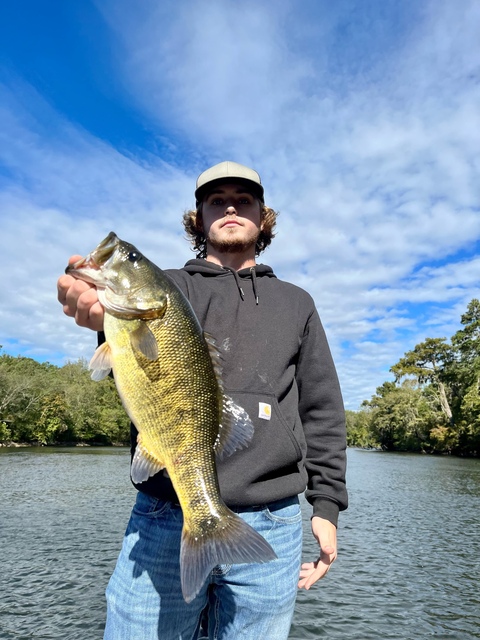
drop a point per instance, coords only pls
(210, 269)
(200, 265)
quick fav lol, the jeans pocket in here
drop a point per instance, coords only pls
(148, 506)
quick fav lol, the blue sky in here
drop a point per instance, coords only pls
(362, 118)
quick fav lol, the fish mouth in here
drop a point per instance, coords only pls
(88, 268)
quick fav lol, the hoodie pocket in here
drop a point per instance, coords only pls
(275, 444)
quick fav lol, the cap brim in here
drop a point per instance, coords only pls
(252, 187)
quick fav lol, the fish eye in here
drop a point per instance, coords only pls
(134, 256)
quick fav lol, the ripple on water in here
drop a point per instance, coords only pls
(63, 523)
(402, 571)
(409, 550)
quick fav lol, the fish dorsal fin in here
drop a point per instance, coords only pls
(216, 358)
(144, 464)
(236, 429)
(143, 340)
(101, 362)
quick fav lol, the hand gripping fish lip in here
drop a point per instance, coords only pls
(98, 257)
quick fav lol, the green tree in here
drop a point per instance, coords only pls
(467, 340)
(464, 377)
(437, 406)
(469, 432)
(23, 384)
(51, 420)
(359, 433)
(95, 412)
(427, 363)
(42, 403)
(401, 417)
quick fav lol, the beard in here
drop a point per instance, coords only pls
(233, 244)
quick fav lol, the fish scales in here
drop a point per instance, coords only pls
(187, 397)
(166, 376)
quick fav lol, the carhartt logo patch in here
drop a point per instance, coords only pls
(264, 411)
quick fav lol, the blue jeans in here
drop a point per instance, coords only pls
(245, 601)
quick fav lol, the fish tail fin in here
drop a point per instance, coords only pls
(234, 542)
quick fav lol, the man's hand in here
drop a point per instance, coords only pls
(326, 534)
(80, 300)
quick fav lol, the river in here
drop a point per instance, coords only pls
(409, 547)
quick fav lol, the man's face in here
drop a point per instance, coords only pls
(231, 219)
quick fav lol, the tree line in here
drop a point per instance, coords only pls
(41, 403)
(433, 404)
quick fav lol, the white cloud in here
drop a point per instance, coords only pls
(64, 194)
(220, 72)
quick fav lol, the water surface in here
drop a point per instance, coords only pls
(409, 548)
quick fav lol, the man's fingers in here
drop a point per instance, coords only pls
(311, 572)
(65, 282)
(74, 259)
(89, 311)
(71, 300)
(79, 300)
(63, 285)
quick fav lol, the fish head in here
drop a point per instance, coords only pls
(126, 281)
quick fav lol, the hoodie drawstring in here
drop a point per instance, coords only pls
(254, 283)
(239, 286)
(237, 280)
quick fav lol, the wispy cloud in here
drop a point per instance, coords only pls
(217, 72)
(63, 192)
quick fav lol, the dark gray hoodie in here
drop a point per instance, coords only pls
(276, 365)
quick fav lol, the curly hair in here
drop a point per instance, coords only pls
(192, 221)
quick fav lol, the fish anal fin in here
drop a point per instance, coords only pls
(235, 431)
(234, 542)
(143, 340)
(101, 362)
(144, 464)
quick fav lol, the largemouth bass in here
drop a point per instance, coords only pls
(167, 374)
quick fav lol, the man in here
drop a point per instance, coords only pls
(277, 366)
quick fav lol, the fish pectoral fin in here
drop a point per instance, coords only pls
(143, 340)
(236, 429)
(144, 464)
(101, 362)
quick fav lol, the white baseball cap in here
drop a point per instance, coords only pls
(225, 172)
